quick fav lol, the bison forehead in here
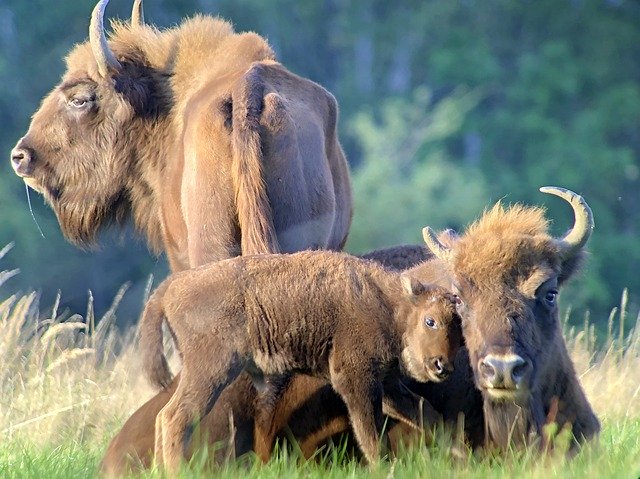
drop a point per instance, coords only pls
(505, 244)
(492, 259)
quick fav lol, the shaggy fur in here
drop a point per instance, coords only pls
(203, 140)
(507, 270)
(328, 314)
(309, 411)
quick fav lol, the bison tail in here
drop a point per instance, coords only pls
(154, 362)
(258, 235)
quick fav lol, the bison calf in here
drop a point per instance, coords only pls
(326, 314)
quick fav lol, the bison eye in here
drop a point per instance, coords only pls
(550, 297)
(78, 102)
(430, 323)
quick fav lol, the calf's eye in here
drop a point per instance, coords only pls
(430, 323)
(550, 297)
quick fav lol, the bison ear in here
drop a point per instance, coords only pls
(412, 287)
(138, 90)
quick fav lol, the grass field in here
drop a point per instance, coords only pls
(67, 384)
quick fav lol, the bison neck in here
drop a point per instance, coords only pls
(148, 182)
(562, 388)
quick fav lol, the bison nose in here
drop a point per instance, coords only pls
(441, 367)
(504, 371)
(22, 161)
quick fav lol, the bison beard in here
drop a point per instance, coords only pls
(509, 423)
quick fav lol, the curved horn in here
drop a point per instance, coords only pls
(137, 13)
(583, 224)
(101, 51)
(434, 244)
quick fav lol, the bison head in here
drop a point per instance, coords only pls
(79, 151)
(432, 334)
(507, 270)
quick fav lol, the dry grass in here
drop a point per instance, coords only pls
(72, 378)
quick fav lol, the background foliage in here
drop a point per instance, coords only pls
(446, 107)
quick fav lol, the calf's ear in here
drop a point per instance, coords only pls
(412, 287)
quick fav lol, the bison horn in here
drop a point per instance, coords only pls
(101, 51)
(137, 13)
(434, 244)
(578, 236)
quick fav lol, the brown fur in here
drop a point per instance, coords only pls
(328, 314)
(505, 268)
(202, 139)
(309, 411)
(207, 144)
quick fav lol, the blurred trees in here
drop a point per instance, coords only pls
(445, 108)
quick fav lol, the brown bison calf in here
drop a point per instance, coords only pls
(326, 314)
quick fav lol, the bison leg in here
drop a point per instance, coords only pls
(362, 393)
(266, 426)
(197, 392)
(408, 408)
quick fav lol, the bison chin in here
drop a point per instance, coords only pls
(510, 423)
(82, 220)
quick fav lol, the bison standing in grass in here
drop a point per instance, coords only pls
(330, 315)
(198, 136)
(508, 287)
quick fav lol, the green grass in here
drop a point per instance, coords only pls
(615, 455)
(68, 383)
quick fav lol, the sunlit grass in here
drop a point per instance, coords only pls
(68, 382)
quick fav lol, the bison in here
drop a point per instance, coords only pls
(198, 135)
(507, 270)
(512, 240)
(195, 134)
(327, 314)
(309, 411)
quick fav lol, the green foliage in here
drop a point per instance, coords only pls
(558, 102)
(406, 179)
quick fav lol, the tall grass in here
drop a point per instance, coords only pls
(64, 377)
(68, 382)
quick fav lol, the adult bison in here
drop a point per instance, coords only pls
(507, 270)
(196, 134)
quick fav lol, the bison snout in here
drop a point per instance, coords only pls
(440, 368)
(504, 371)
(22, 161)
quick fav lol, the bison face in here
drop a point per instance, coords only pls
(507, 269)
(75, 153)
(432, 333)
(80, 146)
(509, 332)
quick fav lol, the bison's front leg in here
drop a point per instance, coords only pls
(362, 393)
(266, 423)
(408, 408)
(404, 405)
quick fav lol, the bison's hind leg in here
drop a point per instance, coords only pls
(199, 388)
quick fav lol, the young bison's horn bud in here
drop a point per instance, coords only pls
(412, 286)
